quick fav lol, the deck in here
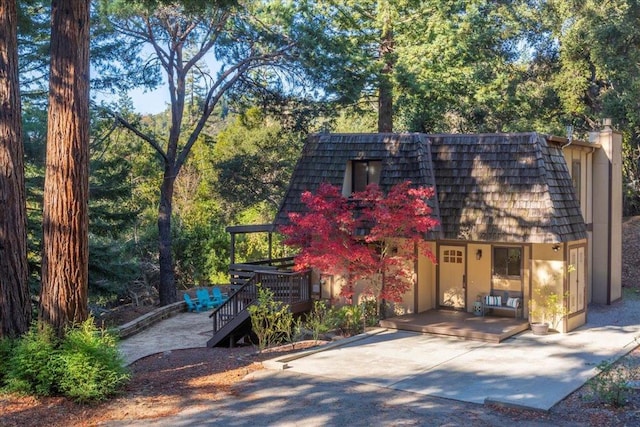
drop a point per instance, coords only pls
(459, 324)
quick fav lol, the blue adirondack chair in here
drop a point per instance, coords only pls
(192, 305)
(204, 299)
(218, 299)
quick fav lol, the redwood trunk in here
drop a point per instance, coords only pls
(167, 287)
(65, 252)
(385, 86)
(15, 308)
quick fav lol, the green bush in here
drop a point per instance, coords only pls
(370, 311)
(6, 350)
(349, 319)
(317, 321)
(611, 385)
(32, 367)
(271, 320)
(84, 366)
(90, 366)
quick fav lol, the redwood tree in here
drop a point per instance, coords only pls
(15, 310)
(65, 252)
(368, 234)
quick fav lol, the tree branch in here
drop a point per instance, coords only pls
(151, 141)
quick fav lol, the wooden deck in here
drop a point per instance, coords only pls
(459, 324)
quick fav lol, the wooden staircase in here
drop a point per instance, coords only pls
(231, 320)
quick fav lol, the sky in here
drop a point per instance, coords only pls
(150, 102)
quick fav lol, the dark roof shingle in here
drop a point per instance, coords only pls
(490, 187)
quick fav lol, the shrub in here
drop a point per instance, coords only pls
(370, 312)
(271, 320)
(90, 366)
(84, 366)
(349, 319)
(317, 320)
(6, 350)
(611, 385)
(32, 367)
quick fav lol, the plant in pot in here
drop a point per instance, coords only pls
(546, 309)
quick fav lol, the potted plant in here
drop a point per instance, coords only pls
(546, 309)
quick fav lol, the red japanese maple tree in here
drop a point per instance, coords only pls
(367, 236)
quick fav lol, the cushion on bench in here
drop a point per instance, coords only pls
(501, 302)
(513, 302)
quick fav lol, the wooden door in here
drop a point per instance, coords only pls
(452, 280)
(577, 279)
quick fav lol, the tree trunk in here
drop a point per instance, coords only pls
(167, 287)
(15, 307)
(385, 86)
(65, 252)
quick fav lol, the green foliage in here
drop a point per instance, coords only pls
(32, 366)
(90, 366)
(547, 306)
(611, 385)
(85, 365)
(201, 252)
(6, 350)
(370, 312)
(254, 160)
(349, 319)
(317, 320)
(271, 320)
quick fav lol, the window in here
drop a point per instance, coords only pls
(365, 172)
(451, 256)
(507, 262)
(576, 178)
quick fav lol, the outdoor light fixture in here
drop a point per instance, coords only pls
(555, 248)
(479, 254)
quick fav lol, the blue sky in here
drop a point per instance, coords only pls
(150, 102)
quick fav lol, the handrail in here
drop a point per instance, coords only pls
(241, 273)
(273, 261)
(288, 287)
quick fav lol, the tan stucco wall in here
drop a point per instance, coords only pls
(478, 272)
(616, 218)
(583, 155)
(549, 270)
(547, 274)
(606, 260)
(424, 275)
(426, 297)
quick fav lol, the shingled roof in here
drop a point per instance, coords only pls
(492, 187)
(505, 188)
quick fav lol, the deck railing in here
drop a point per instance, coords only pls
(240, 273)
(289, 287)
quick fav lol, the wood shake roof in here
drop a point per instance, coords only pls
(492, 187)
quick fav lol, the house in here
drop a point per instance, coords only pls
(517, 212)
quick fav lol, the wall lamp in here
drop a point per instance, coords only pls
(555, 248)
(479, 254)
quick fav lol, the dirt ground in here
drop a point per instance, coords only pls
(165, 383)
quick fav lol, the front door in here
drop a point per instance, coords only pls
(452, 277)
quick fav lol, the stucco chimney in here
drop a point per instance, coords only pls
(607, 217)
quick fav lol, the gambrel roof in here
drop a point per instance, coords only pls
(489, 187)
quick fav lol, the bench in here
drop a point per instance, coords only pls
(502, 301)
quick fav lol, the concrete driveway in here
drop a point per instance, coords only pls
(526, 370)
(396, 378)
